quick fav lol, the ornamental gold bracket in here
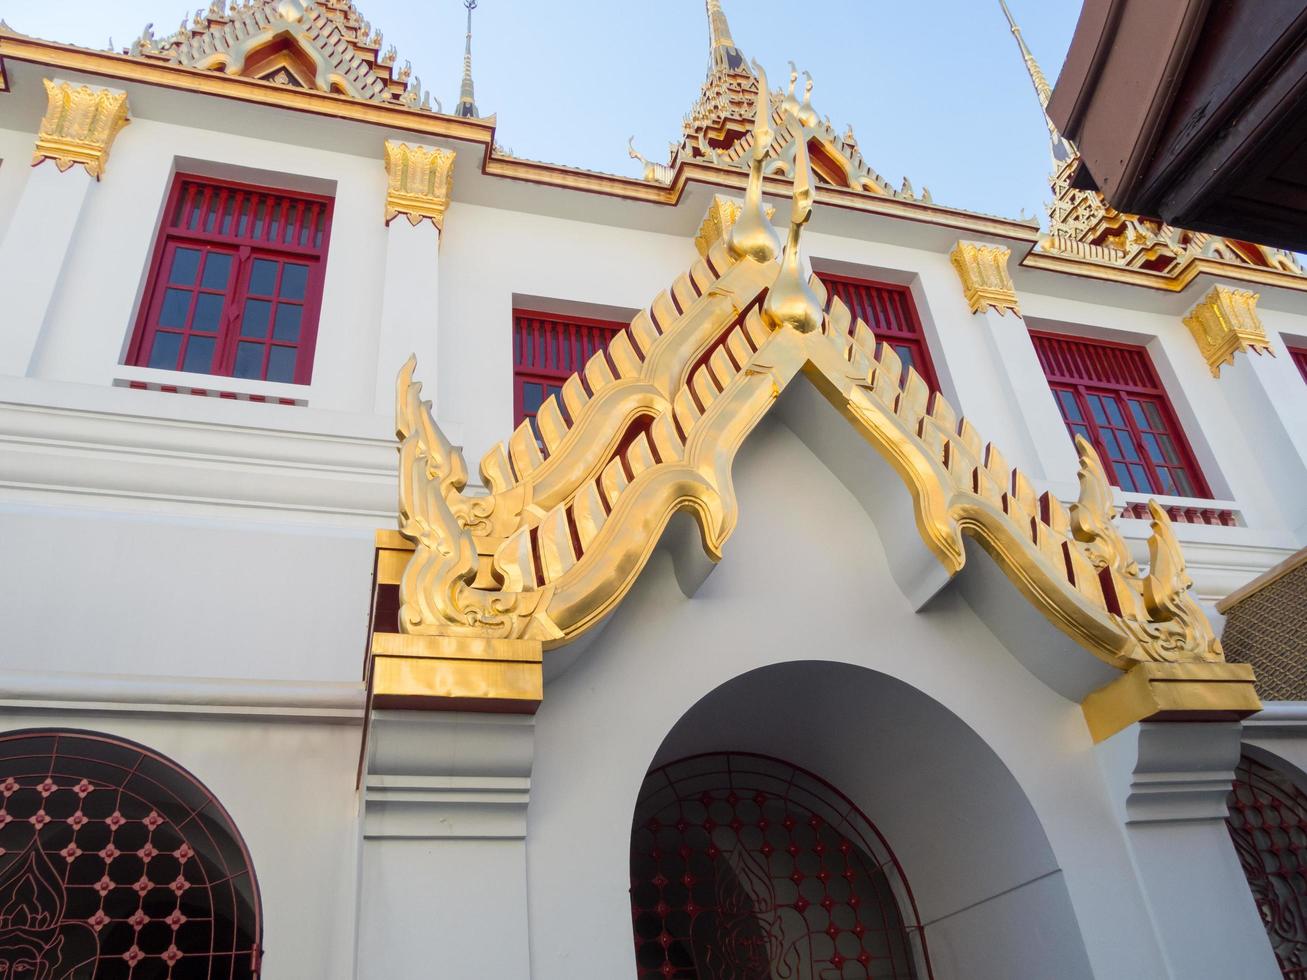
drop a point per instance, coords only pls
(983, 272)
(79, 126)
(1225, 322)
(420, 181)
(573, 517)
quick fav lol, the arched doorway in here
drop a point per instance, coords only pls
(745, 867)
(1268, 824)
(117, 862)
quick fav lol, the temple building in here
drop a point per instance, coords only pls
(419, 560)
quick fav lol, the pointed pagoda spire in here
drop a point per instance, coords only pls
(467, 105)
(726, 57)
(1063, 149)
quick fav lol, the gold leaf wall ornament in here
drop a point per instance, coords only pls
(79, 126)
(986, 282)
(752, 233)
(1225, 322)
(420, 181)
(1093, 515)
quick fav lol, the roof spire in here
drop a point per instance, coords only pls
(725, 55)
(467, 105)
(1063, 149)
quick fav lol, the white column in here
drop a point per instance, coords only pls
(1021, 384)
(1168, 783)
(32, 257)
(443, 878)
(1268, 398)
(408, 308)
(419, 181)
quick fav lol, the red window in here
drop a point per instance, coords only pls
(1110, 394)
(892, 316)
(1299, 356)
(547, 349)
(236, 285)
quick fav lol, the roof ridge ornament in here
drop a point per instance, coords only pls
(791, 301)
(753, 234)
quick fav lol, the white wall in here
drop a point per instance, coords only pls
(15, 163)
(804, 578)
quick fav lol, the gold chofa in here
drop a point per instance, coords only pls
(421, 178)
(573, 515)
(79, 126)
(1224, 323)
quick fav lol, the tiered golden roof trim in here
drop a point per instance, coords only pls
(652, 429)
(344, 50)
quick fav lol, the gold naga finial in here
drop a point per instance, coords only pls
(1166, 590)
(752, 234)
(807, 114)
(791, 302)
(1093, 515)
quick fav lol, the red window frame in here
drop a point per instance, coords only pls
(1110, 394)
(888, 309)
(235, 284)
(547, 349)
(1299, 357)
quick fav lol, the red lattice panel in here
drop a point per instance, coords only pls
(115, 863)
(743, 866)
(1268, 823)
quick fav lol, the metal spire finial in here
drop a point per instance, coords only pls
(467, 105)
(1063, 149)
(725, 55)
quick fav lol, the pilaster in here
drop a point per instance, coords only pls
(1041, 444)
(75, 136)
(419, 179)
(445, 780)
(444, 845)
(1168, 784)
(1268, 398)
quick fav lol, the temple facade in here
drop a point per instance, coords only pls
(423, 561)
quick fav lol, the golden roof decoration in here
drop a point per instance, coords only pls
(718, 128)
(1083, 225)
(652, 428)
(318, 44)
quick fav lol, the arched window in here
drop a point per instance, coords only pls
(744, 867)
(116, 862)
(1268, 823)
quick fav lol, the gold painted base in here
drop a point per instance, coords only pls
(1172, 692)
(448, 673)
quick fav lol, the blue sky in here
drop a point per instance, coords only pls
(935, 89)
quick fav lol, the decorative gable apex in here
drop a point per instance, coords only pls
(320, 44)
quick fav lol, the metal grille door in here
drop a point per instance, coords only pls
(746, 868)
